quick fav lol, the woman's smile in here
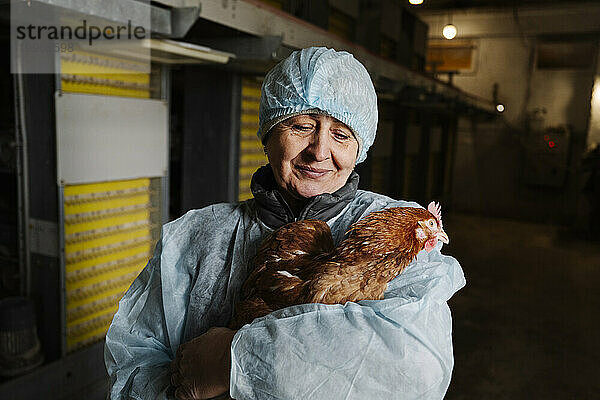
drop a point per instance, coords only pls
(312, 172)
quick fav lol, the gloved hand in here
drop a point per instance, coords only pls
(202, 366)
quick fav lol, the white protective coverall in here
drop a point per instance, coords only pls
(396, 348)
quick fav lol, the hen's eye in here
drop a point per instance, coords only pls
(431, 223)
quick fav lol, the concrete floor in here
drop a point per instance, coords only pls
(527, 325)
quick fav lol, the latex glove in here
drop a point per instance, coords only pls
(202, 366)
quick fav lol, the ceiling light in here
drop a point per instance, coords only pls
(449, 31)
(500, 107)
(415, 2)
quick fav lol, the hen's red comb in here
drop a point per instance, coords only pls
(436, 210)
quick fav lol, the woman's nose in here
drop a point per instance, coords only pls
(319, 147)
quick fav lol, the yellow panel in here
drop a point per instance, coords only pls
(93, 315)
(251, 149)
(253, 157)
(110, 249)
(101, 72)
(112, 186)
(123, 253)
(74, 230)
(82, 260)
(248, 91)
(97, 196)
(100, 63)
(90, 206)
(245, 196)
(110, 300)
(74, 275)
(103, 90)
(100, 288)
(107, 243)
(107, 240)
(93, 333)
(102, 231)
(99, 214)
(249, 118)
(110, 276)
(99, 293)
(86, 326)
(248, 170)
(251, 144)
(249, 132)
(113, 294)
(250, 106)
(244, 183)
(84, 72)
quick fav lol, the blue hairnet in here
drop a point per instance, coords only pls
(321, 81)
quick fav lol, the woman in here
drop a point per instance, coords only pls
(318, 117)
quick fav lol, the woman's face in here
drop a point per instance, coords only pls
(311, 154)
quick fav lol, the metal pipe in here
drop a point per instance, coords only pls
(20, 227)
(22, 177)
(165, 95)
(62, 269)
(234, 140)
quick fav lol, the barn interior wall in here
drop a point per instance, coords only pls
(488, 178)
(535, 100)
(564, 93)
(504, 61)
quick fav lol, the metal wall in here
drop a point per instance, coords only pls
(209, 137)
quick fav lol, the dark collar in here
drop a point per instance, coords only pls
(274, 211)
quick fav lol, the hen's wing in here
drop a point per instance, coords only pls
(280, 268)
(296, 239)
(287, 249)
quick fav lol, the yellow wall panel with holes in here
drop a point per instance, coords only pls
(252, 154)
(108, 241)
(90, 73)
(105, 226)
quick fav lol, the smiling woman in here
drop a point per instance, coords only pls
(310, 154)
(318, 117)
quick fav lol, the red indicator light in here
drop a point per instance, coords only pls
(551, 143)
(546, 138)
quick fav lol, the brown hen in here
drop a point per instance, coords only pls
(298, 264)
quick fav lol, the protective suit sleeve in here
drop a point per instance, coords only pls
(139, 342)
(396, 348)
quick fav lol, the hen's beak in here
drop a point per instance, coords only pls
(442, 237)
